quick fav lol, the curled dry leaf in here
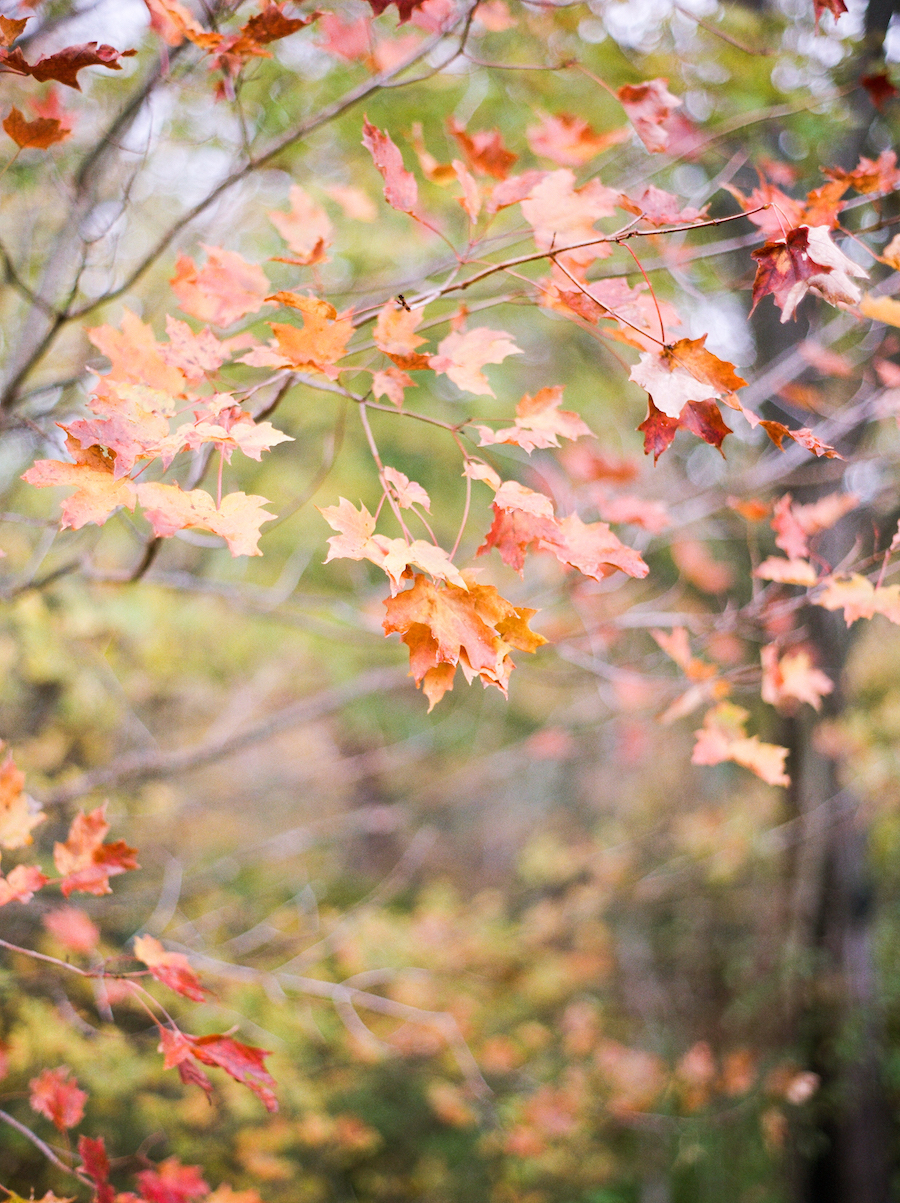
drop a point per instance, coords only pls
(400, 189)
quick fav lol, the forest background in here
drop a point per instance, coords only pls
(628, 935)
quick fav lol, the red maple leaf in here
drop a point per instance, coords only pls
(172, 1182)
(483, 150)
(65, 64)
(95, 1163)
(806, 260)
(55, 1094)
(21, 884)
(836, 7)
(241, 1061)
(400, 188)
(173, 969)
(405, 8)
(85, 862)
(649, 105)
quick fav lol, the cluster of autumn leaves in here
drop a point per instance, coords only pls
(85, 864)
(162, 399)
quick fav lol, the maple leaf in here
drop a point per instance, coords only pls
(859, 598)
(836, 7)
(400, 189)
(171, 1182)
(55, 1094)
(483, 151)
(224, 290)
(19, 814)
(240, 1061)
(40, 134)
(693, 561)
(806, 260)
(404, 7)
(173, 969)
(684, 372)
(21, 884)
(271, 25)
(795, 524)
(637, 511)
(350, 40)
(569, 140)
(95, 1163)
(513, 190)
(658, 430)
(306, 228)
(316, 347)
(85, 862)
(562, 215)
(135, 355)
(660, 208)
(590, 548)
(473, 627)
(172, 21)
(169, 509)
(407, 492)
(395, 329)
(97, 491)
(870, 175)
(11, 28)
(65, 64)
(539, 423)
(792, 678)
(228, 427)
(462, 355)
(879, 87)
(471, 197)
(787, 572)
(356, 203)
(723, 737)
(196, 355)
(72, 928)
(648, 106)
(513, 496)
(391, 383)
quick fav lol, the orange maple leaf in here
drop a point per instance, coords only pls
(539, 423)
(562, 215)
(569, 140)
(306, 228)
(18, 813)
(54, 1093)
(224, 290)
(40, 134)
(474, 627)
(723, 737)
(97, 491)
(238, 519)
(462, 355)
